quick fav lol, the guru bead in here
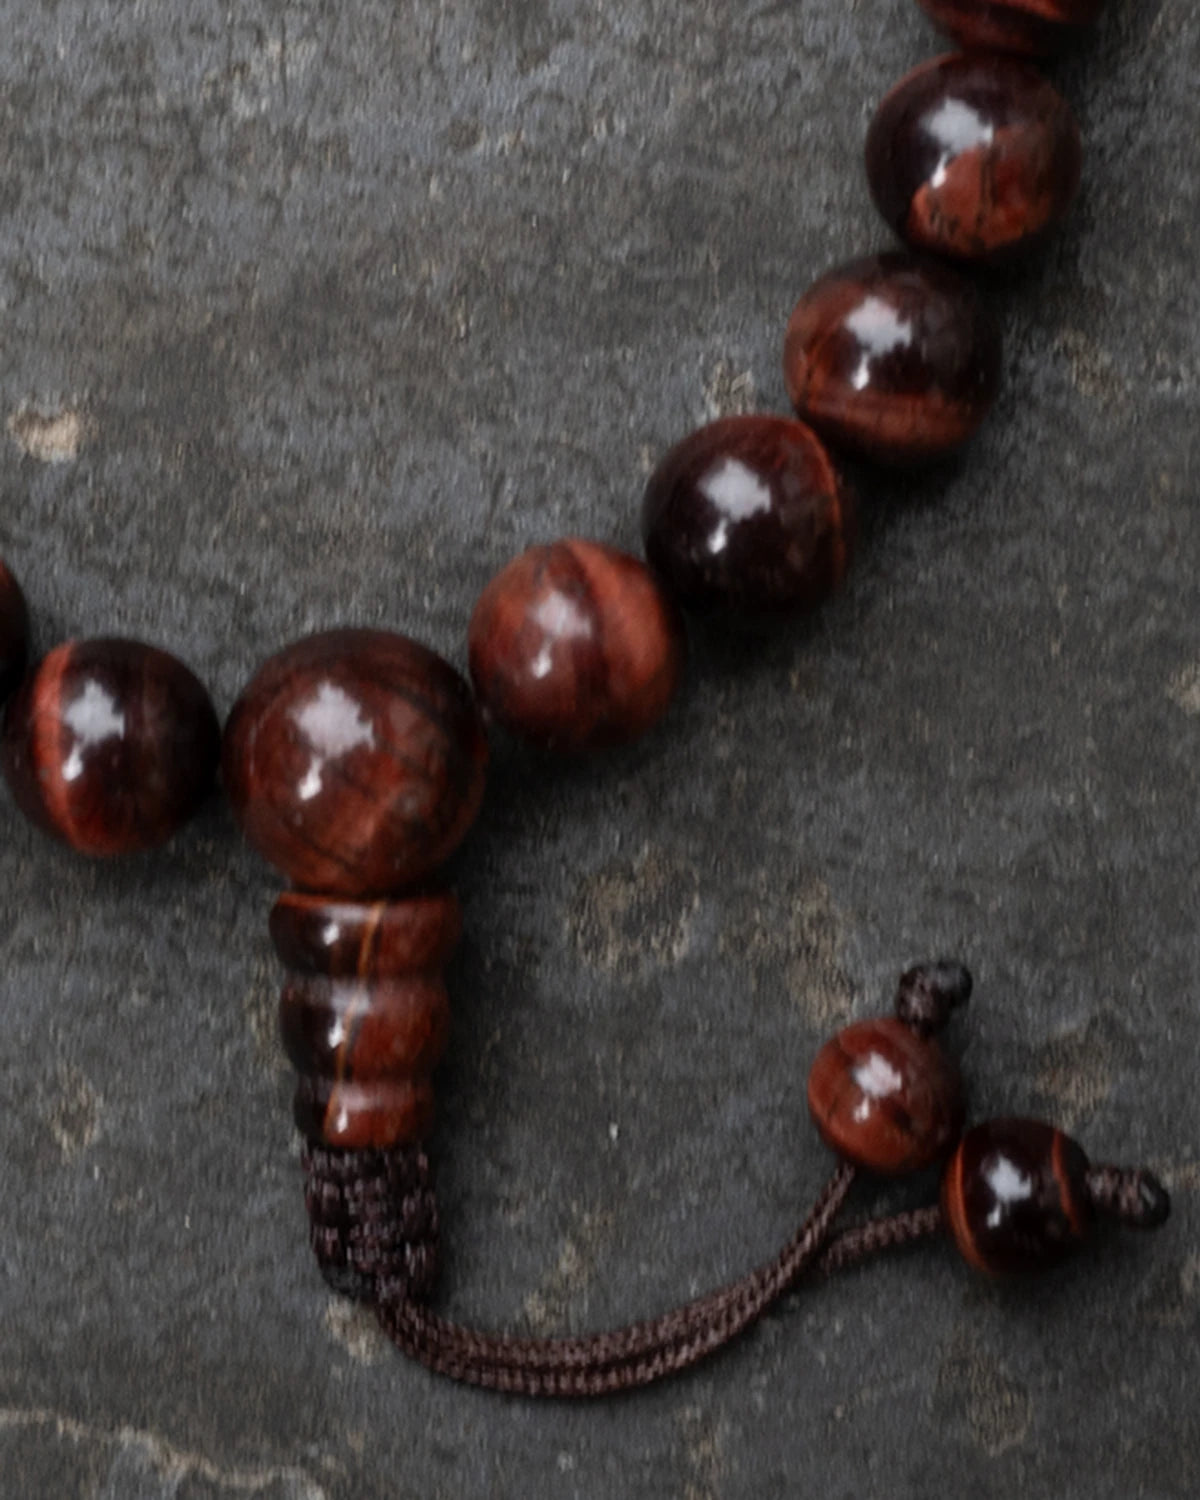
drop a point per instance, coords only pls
(1015, 1196)
(14, 632)
(355, 762)
(575, 647)
(1037, 28)
(364, 1013)
(748, 516)
(892, 357)
(885, 1098)
(110, 745)
(973, 156)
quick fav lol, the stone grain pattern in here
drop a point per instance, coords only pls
(343, 306)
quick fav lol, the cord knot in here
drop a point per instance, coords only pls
(373, 1221)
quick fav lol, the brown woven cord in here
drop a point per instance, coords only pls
(1131, 1195)
(863, 1240)
(604, 1363)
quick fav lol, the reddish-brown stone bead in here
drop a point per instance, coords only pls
(14, 632)
(575, 647)
(1036, 28)
(355, 1030)
(110, 745)
(974, 156)
(1015, 1196)
(375, 1115)
(355, 762)
(748, 516)
(885, 1098)
(320, 935)
(892, 357)
(364, 1013)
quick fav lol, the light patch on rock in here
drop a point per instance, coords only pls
(1077, 1071)
(564, 1287)
(134, 1458)
(72, 1112)
(1092, 370)
(729, 392)
(995, 1408)
(51, 437)
(795, 933)
(356, 1330)
(1184, 688)
(703, 1451)
(635, 915)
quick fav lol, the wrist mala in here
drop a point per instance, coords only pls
(355, 760)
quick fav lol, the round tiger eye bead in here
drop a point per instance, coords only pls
(1015, 1196)
(1036, 28)
(575, 647)
(14, 632)
(110, 745)
(355, 762)
(885, 1098)
(893, 357)
(973, 156)
(748, 516)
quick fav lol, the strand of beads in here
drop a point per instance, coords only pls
(355, 760)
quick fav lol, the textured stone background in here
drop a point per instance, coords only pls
(316, 313)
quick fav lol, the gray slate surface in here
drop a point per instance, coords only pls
(317, 313)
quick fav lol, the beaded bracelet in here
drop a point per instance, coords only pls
(355, 760)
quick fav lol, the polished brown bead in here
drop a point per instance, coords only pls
(355, 1029)
(885, 1098)
(110, 745)
(14, 632)
(1036, 28)
(974, 156)
(364, 1013)
(748, 516)
(355, 761)
(892, 357)
(1015, 1196)
(376, 1115)
(320, 935)
(575, 647)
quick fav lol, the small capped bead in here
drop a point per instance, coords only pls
(14, 632)
(1015, 1196)
(1036, 28)
(892, 357)
(748, 516)
(929, 993)
(575, 647)
(110, 745)
(355, 762)
(973, 156)
(885, 1098)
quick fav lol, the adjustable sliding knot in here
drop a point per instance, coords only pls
(373, 1222)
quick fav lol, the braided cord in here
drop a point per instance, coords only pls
(626, 1358)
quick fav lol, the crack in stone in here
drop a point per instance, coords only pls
(173, 1465)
